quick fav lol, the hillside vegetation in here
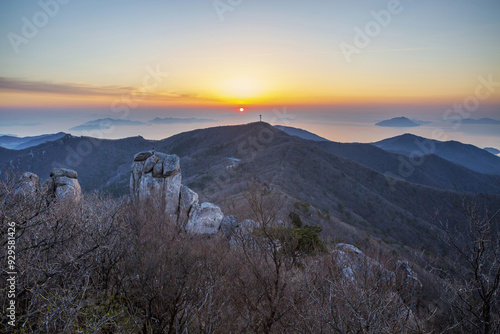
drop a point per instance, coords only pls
(105, 266)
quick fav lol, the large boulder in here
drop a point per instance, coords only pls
(142, 156)
(149, 183)
(205, 219)
(63, 185)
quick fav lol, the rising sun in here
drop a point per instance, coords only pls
(242, 109)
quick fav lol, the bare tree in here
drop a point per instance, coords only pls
(173, 282)
(473, 288)
(65, 255)
(352, 293)
(263, 289)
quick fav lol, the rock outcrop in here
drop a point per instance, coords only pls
(156, 179)
(27, 186)
(354, 264)
(63, 185)
(187, 200)
(406, 276)
(205, 219)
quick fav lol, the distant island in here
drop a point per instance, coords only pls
(104, 124)
(107, 123)
(398, 122)
(484, 121)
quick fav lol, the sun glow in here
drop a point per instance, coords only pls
(242, 88)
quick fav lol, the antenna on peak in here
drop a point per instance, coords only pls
(260, 117)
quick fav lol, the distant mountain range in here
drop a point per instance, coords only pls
(446, 156)
(398, 122)
(328, 183)
(466, 155)
(107, 123)
(300, 133)
(429, 173)
(19, 143)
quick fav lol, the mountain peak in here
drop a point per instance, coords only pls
(466, 155)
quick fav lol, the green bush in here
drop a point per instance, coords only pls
(296, 221)
(308, 240)
(295, 240)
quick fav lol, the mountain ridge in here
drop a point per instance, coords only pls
(301, 133)
(19, 143)
(466, 155)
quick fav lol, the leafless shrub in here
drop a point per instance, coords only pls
(107, 266)
(353, 296)
(472, 290)
(64, 252)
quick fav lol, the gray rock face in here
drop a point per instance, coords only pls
(150, 163)
(349, 248)
(171, 165)
(149, 184)
(63, 184)
(228, 226)
(28, 185)
(156, 178)
(407, 275)
(158, 169)
(187, 200)
(206, 219)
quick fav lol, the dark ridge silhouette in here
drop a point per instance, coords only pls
(466, 155)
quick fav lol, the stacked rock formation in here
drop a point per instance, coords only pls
(62, 185)
(156, 178)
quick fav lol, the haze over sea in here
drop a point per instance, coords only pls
(346, 124)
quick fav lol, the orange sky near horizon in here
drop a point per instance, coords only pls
(253, 94)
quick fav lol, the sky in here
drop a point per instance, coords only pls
(66, 62)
